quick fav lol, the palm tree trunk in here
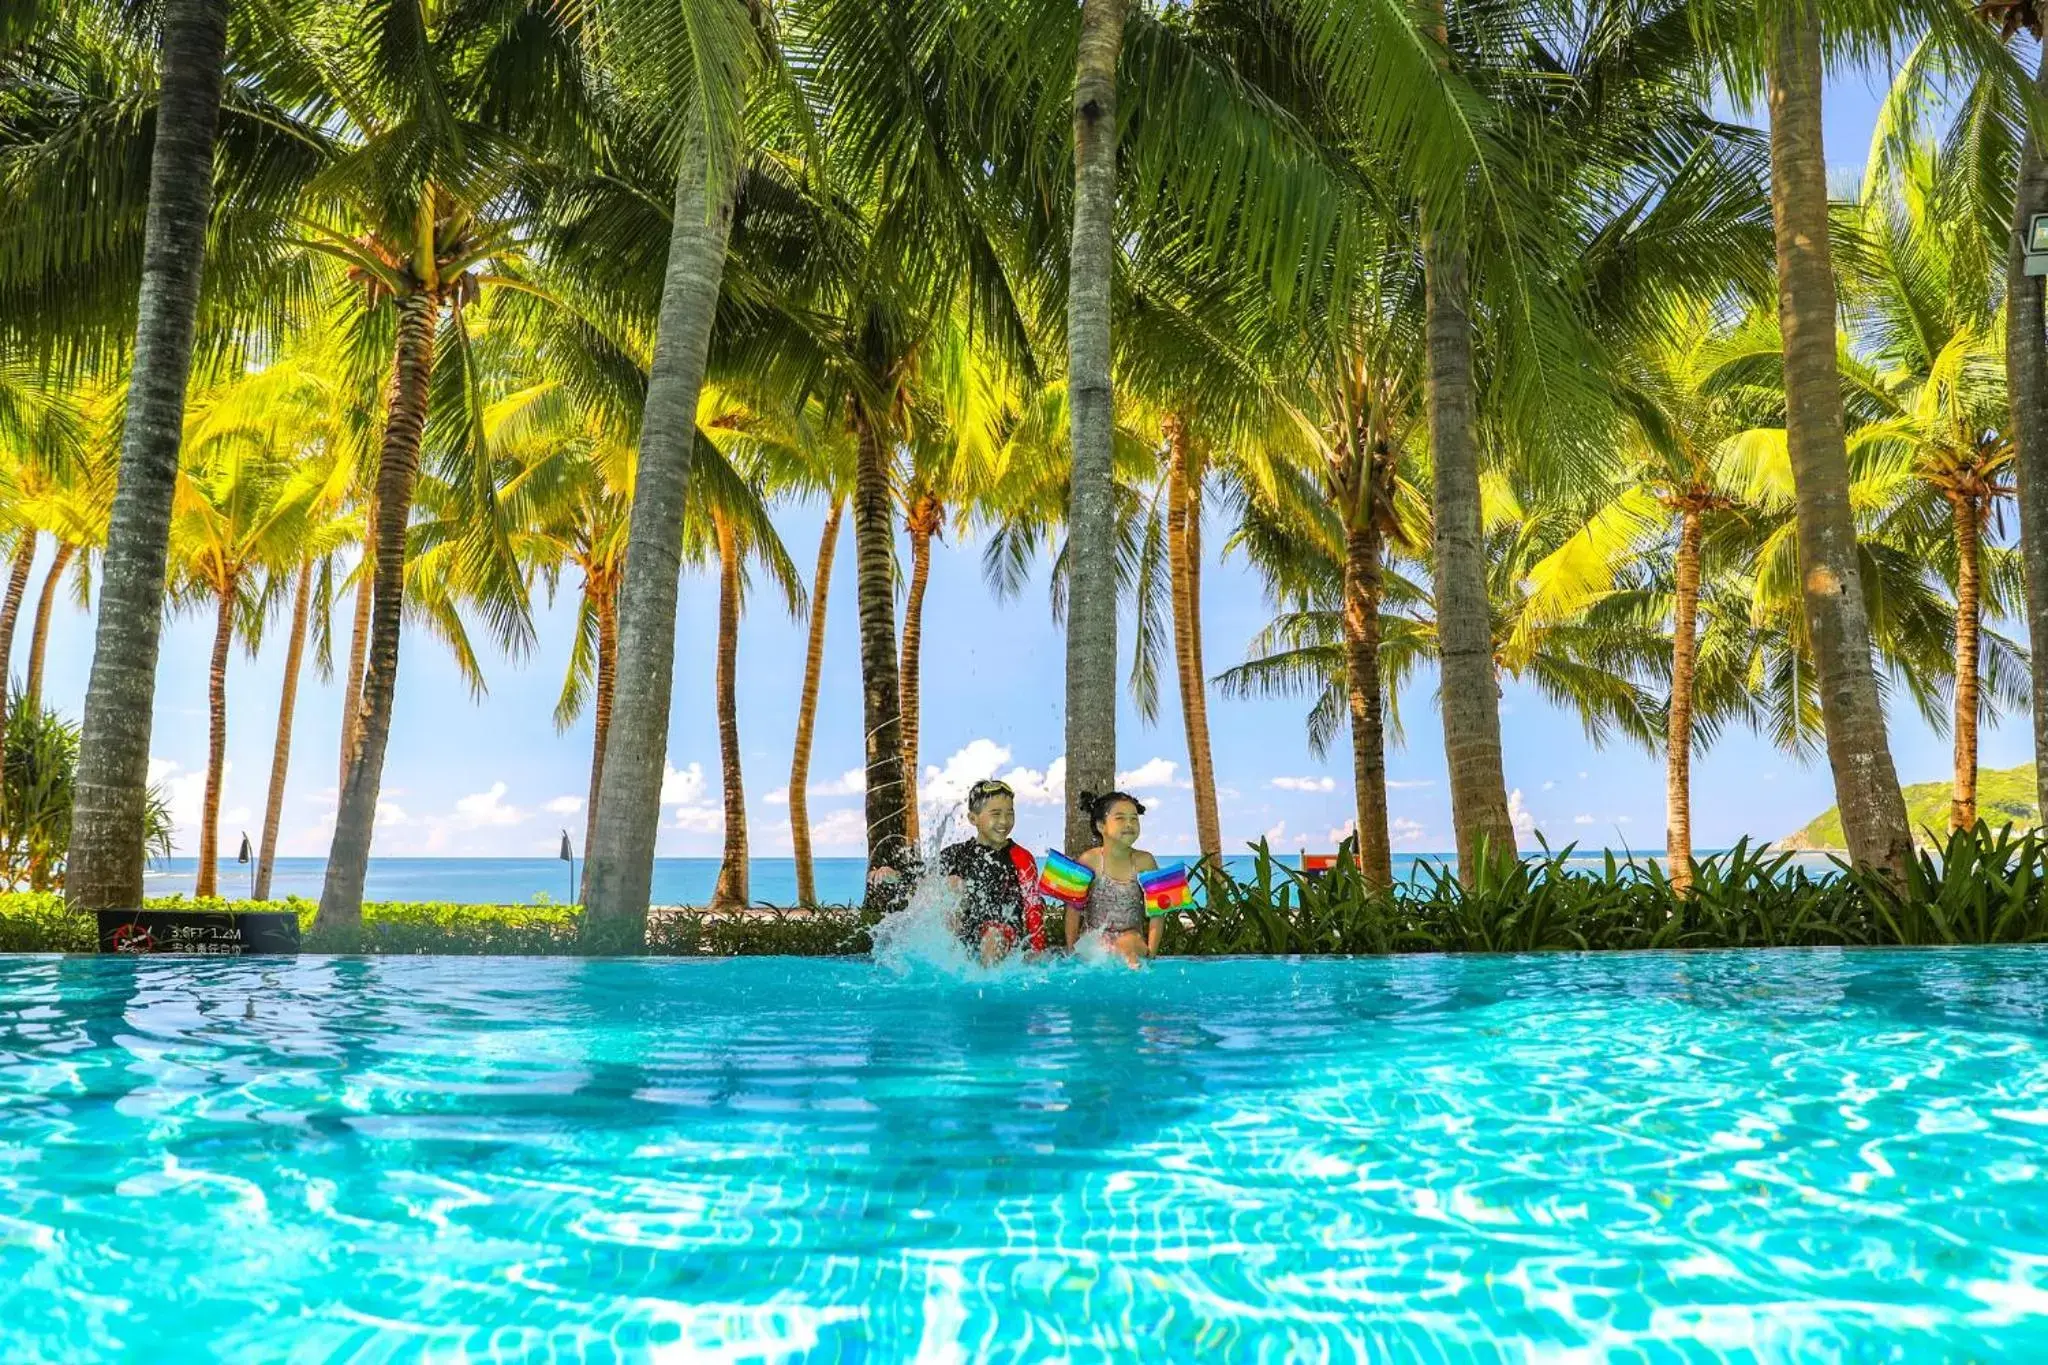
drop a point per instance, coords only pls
(1866, 784)
(104, 868)
(281, 751)
(10, 612)
(731, 890)
(398, 467)
(621, 866)
(1363, 581)
(39, 638)
(1184, 564)
(2026, 371)
(1091, 514)
(358, 651)
(216, 742)
(1962, 810)
(1678, 726)
(1469, 691)
(923, 524)
(807, 712)
(10, 609)
(881, 691)
(605, 605)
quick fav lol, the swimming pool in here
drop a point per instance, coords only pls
(1661, 1157)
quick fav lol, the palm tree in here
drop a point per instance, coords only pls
(21, 564)
(585, 526)
(1646, 547)
(722, 50)
(1778, 51)
(807, 709)
(1921, 301)
(1586, 665)
(281, 746)
(1186, 475)
(45, 433)
(244, 513)
(1091, 400)
(732, 515)
(2026, 371)
(107, 825)
(296, 409)
(71, 501)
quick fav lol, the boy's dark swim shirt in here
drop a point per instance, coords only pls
(999, 889)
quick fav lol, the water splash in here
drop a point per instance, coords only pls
(921, 935)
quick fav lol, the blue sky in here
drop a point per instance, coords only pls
(494, 777)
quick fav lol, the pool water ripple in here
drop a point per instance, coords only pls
(1798, 1155)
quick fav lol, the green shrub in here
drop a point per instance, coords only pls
(1980, 887)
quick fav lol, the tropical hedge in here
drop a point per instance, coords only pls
(1982, 886)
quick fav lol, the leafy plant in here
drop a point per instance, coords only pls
(35, 800)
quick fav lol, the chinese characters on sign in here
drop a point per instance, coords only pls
(198, 933)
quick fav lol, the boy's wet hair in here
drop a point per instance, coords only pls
(1098, 806)
(985, 791)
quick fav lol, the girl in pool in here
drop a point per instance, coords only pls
(1114, 912)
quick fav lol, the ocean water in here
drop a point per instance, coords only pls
(677, 881)
(1794, 1155)
(514, 881)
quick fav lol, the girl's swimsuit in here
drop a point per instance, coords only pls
(1113, 907)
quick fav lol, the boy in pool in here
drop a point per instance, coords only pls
(996, 880)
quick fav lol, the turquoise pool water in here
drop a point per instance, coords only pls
(1797, 1155)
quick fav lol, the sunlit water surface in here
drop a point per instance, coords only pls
(1797, 1155)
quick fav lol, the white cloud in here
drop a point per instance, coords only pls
(1582, 777)
(1525, 823)
(1344, 831)
(684, 789)
(389, 816)
(679, 788)
(1406, 833)
(778, 797)
(852, 782)
(1277, 834)
(1153, 772)
(1622, 820)
(701, 819)
(842, 832)
(565, 805)
(1040, 789)
(1412, 782)
(1550, 786)
(1305, 784)
(184, 793)
(1582, 819)
(479, 809)
(942, 788)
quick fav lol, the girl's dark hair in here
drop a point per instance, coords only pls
(1098, 806)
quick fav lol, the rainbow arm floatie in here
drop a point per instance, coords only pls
(1064, 879)
(1166, 889)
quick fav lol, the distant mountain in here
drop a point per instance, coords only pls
(2004, 797)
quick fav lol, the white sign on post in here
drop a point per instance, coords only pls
(2037, 245)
